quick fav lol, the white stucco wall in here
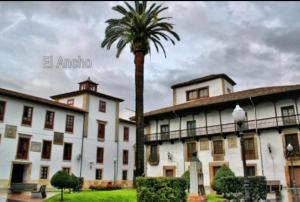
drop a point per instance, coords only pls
(8, 146)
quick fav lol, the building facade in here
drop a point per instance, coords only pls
(79, 131)
(201, 121)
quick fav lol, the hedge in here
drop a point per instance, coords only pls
(161, 189)
(234, 187)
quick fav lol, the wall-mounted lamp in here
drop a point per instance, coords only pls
(170, 156)
(91, 165)
(269, 148)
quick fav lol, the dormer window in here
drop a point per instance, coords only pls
(197, 93)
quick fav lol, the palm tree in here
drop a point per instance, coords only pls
(139, 26)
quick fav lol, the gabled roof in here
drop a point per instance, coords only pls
(80, 92)
(39, 100)
(202, 79)
(231, 97)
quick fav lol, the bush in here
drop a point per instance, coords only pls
(234, 187)
(108, 186)
(186, 177)
(218, 182)
(161, 189)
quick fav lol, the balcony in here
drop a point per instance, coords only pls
(266, 123)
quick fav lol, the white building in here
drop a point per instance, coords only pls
(79, 131)
(201, 120)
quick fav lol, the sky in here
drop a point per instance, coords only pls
(255, 43)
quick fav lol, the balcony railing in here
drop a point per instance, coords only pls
(273, 122)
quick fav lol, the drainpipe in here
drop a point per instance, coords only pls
(81, 152)
(256, 130)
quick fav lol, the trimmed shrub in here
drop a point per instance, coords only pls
(234, 187)
(61, 180)
(186, 177)
(109, 186)
(161, 189)
(218, 182)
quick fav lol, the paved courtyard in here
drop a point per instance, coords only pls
(23, 197)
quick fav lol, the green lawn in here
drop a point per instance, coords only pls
(124, 195)
(215, 198)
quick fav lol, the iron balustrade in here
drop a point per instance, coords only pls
(264, 123)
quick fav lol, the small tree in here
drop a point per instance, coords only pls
(61, 180)
(218, 182)
(186, 177)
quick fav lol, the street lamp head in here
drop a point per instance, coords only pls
(290, 148)
(238, 114)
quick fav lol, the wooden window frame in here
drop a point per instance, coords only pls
(100, 159)
(250, 156)
(96, 172)
(67, 159)
(27, 122)
(63, 168)
(165, 135)
(4, 107)
(102, 106)
(214, 152)
(51, 124)
(28, 150)
(189, 155)
(100, 136)
(126, 171)
(41, 174)
(42, 153)
(126, 134)
(286, 153)
(125, 160)
(191, 131)
(198, 93)
(70, 102)
(70, 129)
(165, 168)
(255, 169)
(286, 119)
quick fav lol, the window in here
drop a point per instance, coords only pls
(191, 148)
(215, 170)
(69, 123)
(102, 106)
(23, 148)
(192, 95)
(67, 152)
(191, 128)
(126, 134)
(27, 115)
(44, 173)
(164, 129)
(46, 151)
(203, 92)
(124, 175)
(66, 169)
(98, 174)
(228, 90)
(250, 170)
(153, 153)
(293, 140)
(218, 147)
(197, 93)
(288, 115)
(49, 121)
(249, 147)
(101, 131)
(125, 157)
(2, 110)
(100, 154)
(70, 102)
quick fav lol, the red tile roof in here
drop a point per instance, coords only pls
(236, 96)
(39, 100)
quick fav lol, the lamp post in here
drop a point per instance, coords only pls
(239, 117)
(290, 149)
(115, 166)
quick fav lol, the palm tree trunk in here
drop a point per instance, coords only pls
(139, 111)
